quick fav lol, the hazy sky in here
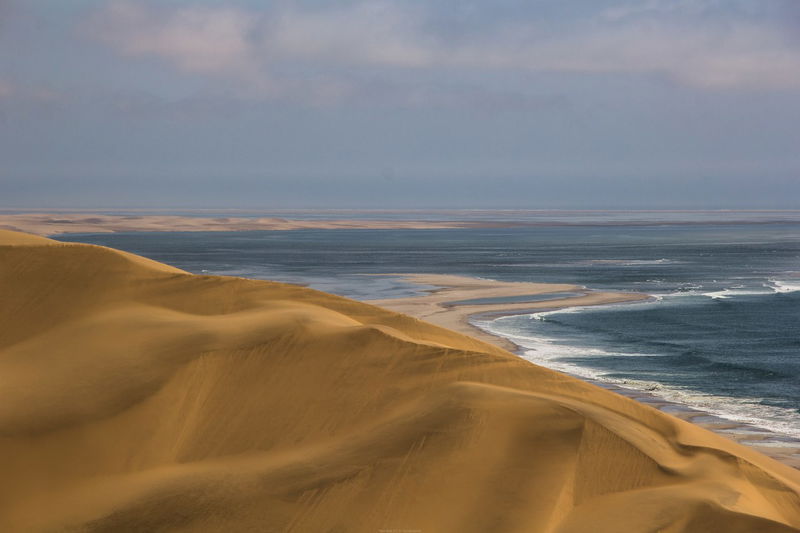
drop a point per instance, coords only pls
(391, 103)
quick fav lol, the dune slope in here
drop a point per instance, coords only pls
(137, 397)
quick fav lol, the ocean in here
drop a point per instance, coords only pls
(721, 333)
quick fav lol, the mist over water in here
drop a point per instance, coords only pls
(722, 332)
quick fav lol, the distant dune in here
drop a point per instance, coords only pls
(137, 397)
(96, 222)
(53, 224)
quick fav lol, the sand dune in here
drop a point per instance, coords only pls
(137, 397)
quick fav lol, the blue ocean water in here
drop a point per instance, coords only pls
(722, 332)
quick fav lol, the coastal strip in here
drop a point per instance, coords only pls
(440, 304)
(450, 303)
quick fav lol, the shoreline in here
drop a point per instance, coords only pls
(438, 306)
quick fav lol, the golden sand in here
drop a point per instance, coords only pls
(56, 223)
(137, 397)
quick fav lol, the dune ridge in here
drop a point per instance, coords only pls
(137, 397)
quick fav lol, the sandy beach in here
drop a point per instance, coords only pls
(139, 397)
(437, 306)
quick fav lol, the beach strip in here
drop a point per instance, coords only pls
(440, 306)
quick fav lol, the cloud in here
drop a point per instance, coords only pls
(370, 33)
(193, 39)
(320, 52)
(29, 93)
(6, 89)
(682, 8)
(751, 56)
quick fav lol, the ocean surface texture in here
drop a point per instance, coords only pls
(722, 332)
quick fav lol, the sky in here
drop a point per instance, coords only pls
(587, 104)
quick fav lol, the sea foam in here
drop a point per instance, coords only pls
(783, 287)
(551, 353)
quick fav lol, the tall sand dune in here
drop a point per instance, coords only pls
(137, 397)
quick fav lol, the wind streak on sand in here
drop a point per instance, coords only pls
(137, 397)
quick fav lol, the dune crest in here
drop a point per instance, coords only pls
(137, 397)
(15, 238)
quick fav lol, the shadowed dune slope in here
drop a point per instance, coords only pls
(137, 397)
